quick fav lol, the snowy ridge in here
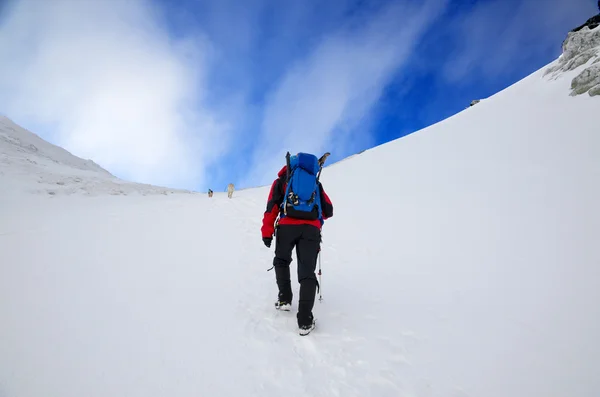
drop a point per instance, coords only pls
(26, 145)
(461, 261)
(29, 163)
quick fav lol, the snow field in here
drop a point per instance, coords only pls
(461, 261)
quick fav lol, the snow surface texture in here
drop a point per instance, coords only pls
(581, 48)
(30, 164)
(462, 260)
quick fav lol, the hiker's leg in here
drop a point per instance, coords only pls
(285, 240)
(307, 251)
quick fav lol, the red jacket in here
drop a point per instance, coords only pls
(274, 206)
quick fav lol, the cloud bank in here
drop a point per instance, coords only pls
(109, 81)
(112, 85)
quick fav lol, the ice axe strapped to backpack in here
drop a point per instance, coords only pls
(302, 198)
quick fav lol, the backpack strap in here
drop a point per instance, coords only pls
(288, 172)
(287, 168)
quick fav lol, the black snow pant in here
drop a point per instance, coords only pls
(307, 241)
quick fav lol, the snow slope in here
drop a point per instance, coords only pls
(462, 260)
(30, 164)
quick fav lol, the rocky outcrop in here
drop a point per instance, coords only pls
(591, 23)
(594, 91)
(581, 49)
(586, 80)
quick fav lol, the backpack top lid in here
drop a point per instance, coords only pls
(306, 161)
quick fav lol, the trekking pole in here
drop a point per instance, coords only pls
(275, 235)
(320, 295)
(274, 241)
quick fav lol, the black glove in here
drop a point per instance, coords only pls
(267, 241)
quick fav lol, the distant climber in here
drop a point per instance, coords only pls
(230, 189)
(210, 193)
(300, 201)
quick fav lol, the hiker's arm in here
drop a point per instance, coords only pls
(273, 203)
(326, 204)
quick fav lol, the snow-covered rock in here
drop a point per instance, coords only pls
(581, 49)
(29, 163)
(587, 80)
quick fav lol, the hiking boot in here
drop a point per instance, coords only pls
(306, 329)
(283, 305)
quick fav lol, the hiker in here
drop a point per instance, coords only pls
(210, 193)
(230, 190)
(299, 226)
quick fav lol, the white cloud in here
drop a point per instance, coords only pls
(107, 80)
(324, 97)
(112, 85)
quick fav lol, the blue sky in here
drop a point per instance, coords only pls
(200, 93)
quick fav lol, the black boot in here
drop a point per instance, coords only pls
(304, 330)
(308, 290)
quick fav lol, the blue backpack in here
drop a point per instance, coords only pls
(302, 199)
